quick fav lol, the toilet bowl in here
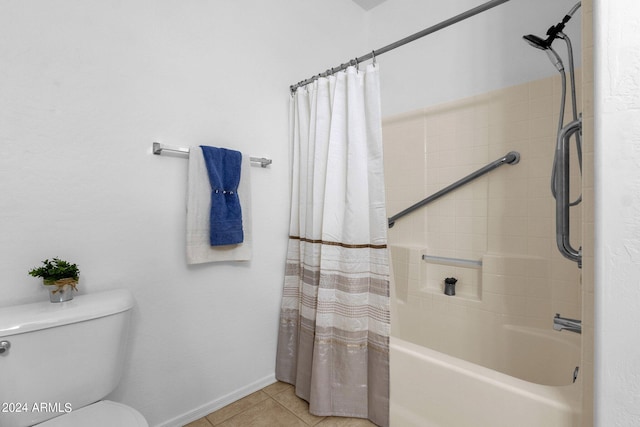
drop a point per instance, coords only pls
(58, 361)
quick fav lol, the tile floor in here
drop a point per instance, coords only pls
(273, 406)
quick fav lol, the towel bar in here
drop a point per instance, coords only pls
(159, 148)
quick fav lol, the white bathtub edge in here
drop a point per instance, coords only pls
(444, 391)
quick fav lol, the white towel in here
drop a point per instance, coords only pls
(199, 249)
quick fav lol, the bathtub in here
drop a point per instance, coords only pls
(481, 372)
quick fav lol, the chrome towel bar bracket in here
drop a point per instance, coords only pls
(263, 161)
(159, 148)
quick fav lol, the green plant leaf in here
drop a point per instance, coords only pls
(55, 269)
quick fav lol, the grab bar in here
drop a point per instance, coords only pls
(510, 158)
(562, 193)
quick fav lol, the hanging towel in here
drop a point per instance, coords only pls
(199, 249)
(225, 219)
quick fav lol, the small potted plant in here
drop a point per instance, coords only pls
(61, 277)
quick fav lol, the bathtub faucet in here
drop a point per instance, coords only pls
(572, 325)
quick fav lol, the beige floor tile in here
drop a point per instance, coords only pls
(345, 422)
(202, 422)
(276, 388)
(267, 413)
(237, 407)
(274, 405)
(299, 407)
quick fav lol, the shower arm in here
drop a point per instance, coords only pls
(574, 9)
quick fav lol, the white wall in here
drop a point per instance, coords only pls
(85, 87)
(617, 186)
(481, 54)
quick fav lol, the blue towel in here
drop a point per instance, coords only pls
(225, 218)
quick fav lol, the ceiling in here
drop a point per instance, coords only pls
(368, 4)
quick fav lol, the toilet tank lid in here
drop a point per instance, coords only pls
(42, 315)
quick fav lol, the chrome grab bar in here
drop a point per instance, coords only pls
(562, 193)
(456, 262)
(510, 158)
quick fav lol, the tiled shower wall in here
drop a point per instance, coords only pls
(505, 219)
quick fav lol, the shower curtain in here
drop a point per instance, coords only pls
(333, 341)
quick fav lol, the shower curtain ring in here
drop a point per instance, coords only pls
(373, 56)
(357, 65)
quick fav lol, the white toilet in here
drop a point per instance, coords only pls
(57, 361)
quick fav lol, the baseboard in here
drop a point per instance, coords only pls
(216, 404)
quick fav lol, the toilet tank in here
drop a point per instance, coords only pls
(62, 356)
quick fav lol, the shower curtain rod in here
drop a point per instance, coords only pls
(372, 55)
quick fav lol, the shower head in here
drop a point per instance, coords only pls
(536, 42)
(545, 45)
